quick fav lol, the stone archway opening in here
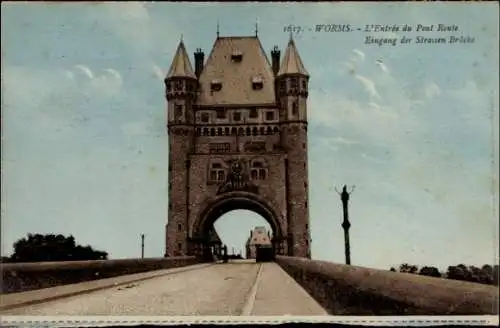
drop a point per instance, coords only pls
(235, 230)
(201, 241)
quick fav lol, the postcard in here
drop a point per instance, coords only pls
(180, 162)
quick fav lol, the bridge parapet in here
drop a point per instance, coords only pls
(352, 290)
(20, 277)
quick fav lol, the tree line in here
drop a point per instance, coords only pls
(487, 274)
(51, 247)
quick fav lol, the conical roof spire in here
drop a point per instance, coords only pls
(181, 66)
(292, 64)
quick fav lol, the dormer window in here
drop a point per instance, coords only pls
(216, 85)
(282, 86)
(236, 56)
(257, 83)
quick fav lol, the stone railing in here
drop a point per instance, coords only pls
(19, 277)
(351, 290)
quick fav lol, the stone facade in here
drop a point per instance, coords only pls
(258, 236)
(237, 129)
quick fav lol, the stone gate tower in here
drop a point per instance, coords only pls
(237, 128)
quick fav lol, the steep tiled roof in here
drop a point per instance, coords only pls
(259, 237)
(236, 77)
(291, 63)
(181, 66)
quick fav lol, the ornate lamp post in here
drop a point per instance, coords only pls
(142, 246)
(344, 196)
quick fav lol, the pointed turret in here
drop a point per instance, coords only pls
(180, 90)
(292, 64)
(180, 87)
(181, 66)
(292, 83)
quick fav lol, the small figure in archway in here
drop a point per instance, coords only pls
(236, 175)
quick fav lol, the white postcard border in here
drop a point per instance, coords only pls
(103, 321)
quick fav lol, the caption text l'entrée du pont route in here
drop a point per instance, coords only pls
(390, 34)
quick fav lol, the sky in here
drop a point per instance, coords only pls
(414, 127)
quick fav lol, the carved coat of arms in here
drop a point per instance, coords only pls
(237, 179)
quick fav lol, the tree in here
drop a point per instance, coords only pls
(495, 275)
(42, 248)
(487, 274)
(430, 271)
(456, 272)
(6, 259)
(407, 268)
(462, 272)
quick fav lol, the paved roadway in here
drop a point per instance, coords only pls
(237, 288)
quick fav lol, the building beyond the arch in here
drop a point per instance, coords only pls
(258, 236)
(237, 127)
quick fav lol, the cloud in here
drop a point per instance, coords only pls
(470, 94)
(391, 119)
(432, 90)
(348, 67)
(158, 72)
(351, 65)
(369, 85)
(110, 82)
(58, 99)
(361, 55)
(114, 74)
(382, 66)
(109, 76)
(68, 74)
(350, 119)
(438, 166)
(372, 159)
(344, 141)
(85, 70)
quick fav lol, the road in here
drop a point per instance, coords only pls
(239, 288)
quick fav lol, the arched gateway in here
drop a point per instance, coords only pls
(237, 130)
